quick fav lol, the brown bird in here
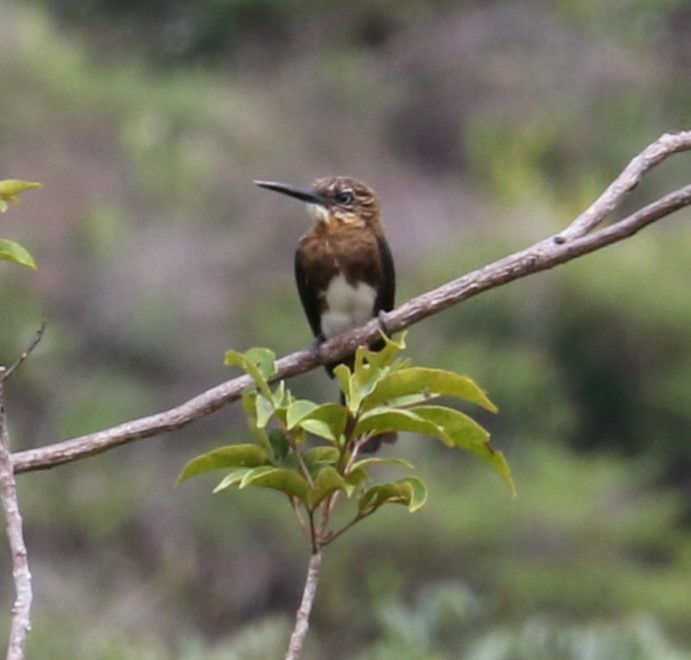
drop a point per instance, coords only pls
(343, 265)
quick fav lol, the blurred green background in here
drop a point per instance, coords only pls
(483, 126)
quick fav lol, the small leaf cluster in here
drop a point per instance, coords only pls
(317, 453)
(10, 190)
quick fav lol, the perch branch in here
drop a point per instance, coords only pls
(577, 239)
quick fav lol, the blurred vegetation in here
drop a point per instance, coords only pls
(483, 126)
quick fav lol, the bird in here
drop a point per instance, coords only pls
(344, 269)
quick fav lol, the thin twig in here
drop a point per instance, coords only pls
(27, 351)
(302, 619)
(574, 241)
(301, 462)
(21, 611)
(359, 516)
(301, 521)
(315, 541)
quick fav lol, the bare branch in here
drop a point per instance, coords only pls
(25, 354)
(652, 155)
(302, 620)
(574, 241)
(21, 611)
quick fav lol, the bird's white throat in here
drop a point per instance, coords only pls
(318, 212)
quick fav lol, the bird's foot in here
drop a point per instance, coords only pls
(381, 317)
(316, 353)
(315, 348)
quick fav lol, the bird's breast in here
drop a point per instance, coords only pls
(347, 305)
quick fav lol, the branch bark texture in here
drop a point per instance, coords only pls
(581, 237)
(21, 611)
(302, 620)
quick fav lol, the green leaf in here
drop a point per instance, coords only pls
(375, 496)
(357, 476)
(367, 462)
(418, 493)
(327, 420)
(462, 432)
(457, 428)
(385, 357)
(409, 491)
(10, 189)
(256, 362)
(427, 383)
(264, 359)
(280, 396)
(249, 405)
(289, 482)
(391, 419)
(343, 374)
(366, 375)
(452, 427)
(280, 448)
(327, 482)
(369, 367)
(232, 479)
(11, 251)
(231, 456)
(297, 410)
(256, 473)
(322, 454)
(264, 410)
(320, 429)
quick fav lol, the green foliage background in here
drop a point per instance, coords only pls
(483, 127)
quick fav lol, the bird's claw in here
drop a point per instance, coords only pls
(381, 317)
(315, 349)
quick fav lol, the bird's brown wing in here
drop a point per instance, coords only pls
(308, 296)
(387, 291)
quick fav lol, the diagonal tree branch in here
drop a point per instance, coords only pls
(578, 239)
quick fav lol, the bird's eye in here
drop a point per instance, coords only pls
(344, 197)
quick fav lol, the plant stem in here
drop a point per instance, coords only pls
(297, 638)
(301, 521)
(334, 535)
(21, 619)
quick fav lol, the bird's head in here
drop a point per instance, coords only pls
(336, 200)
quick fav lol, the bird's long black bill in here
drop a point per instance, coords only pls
(303, 194)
